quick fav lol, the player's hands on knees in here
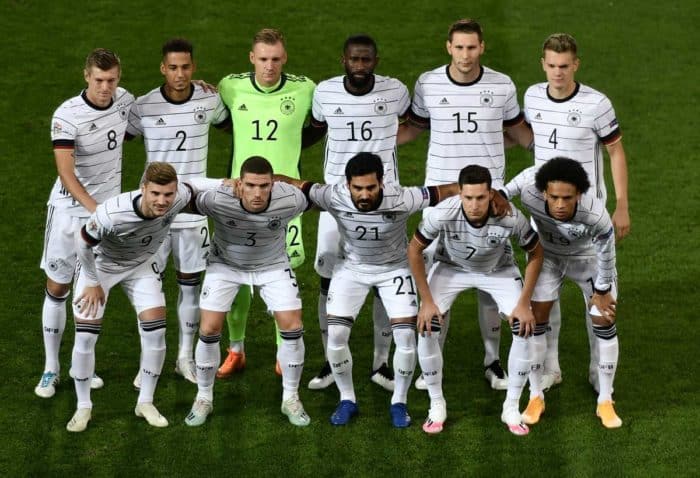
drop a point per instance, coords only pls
(526, 318)
(427, 311)
(90, 300)
(500, 206)
(606, 305)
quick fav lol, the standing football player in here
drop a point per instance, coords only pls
(361, 112)
(270, 111)
(578, 239)
(87, 133)
(467, 106)
(572, 119)
(174, 121)
(117, 245)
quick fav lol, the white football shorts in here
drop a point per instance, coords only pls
(278, 287)
(59, 255)
(447, 282)
(142, 286)
(349, 289)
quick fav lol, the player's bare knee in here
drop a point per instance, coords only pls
(56, 289)
(211, 322)
(151, 314)
(288, 319)
(541, 311)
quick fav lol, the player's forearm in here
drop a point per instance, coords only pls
(289, 180)
(312, 134)
(605, 260)
(199, 185)
(519, 182)
(77, 191)
(618, 167)
(417, 265)
(65, 165)
(520, 134)
(407, 132)
(535, 259)
(88, 267)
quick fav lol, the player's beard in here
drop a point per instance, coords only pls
(366, 205)
(361, 81)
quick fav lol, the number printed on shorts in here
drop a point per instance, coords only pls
(204, 231)
(292, 276)
(405, 285)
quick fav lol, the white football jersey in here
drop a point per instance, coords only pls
(589, 233)
(96, 136)
(481, 249)
(373, 238)
(360, 123)
(125, 237)
(251, 241)
(178, 133)
(466, 122)
(576, 127)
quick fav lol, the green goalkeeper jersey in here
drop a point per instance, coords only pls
(267, 123)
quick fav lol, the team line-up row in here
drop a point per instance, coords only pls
(472, 114)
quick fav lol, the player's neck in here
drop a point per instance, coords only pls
(176, 96)
(270, 87)
(563, 92)
(464, 78)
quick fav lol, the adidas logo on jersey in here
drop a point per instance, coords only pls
(93, 127)
(455, 236)
(295, 254)
(242, 107)
(160, 122)
(444, 101)
(338, 111)
(538, 116)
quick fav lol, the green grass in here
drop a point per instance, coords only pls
(640, 53)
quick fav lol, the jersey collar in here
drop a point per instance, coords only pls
(283, 80)
(92, 105)
(136, 203)
(459, 83)
(564, 100)
(173, 102)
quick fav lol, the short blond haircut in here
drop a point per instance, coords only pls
(103, 59)
(269, 36)
(560, 43)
